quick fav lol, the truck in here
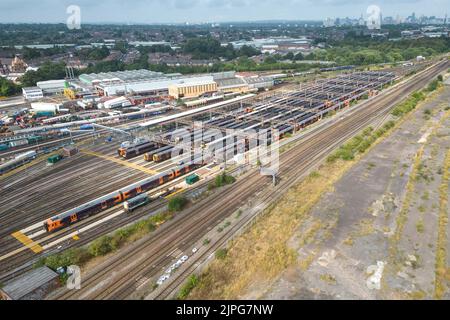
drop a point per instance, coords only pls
(136, 202)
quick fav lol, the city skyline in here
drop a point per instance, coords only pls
(177, 11)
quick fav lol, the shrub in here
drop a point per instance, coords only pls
(101, 246)
(433, 86)
(223, 179)
(191, 283)
(73, 256)
(221, 254)
(177, 204)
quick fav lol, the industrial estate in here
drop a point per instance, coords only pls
(260, 160)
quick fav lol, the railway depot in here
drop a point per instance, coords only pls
(87, 191)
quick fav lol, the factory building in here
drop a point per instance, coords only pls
(158, 87)
(52, 87)
(149, 86)
(232, 85)
(259, 83)
(32, 93)
(192, 89)
(121, 76)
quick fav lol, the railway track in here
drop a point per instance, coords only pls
(206, 215)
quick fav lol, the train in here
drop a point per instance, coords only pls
(93, 207)
(149, 155)
(18, 161)
(130, 150)
(165, 155)
(136, 202)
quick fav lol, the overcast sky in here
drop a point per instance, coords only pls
(166, 11)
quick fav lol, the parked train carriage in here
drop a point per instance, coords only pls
(93, 207)
(166, 155)
(17, 161)
(136, 150)
(149, 155)
(82, 212)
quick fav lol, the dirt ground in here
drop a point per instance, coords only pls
(383, 239)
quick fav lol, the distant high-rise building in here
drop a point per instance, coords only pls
(361, 21)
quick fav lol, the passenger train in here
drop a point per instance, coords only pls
(93, 207)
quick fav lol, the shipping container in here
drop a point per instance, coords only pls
(192, 179)
(54, 159)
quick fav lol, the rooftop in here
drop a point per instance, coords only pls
(233, 82)
(29, 282)
(125, 76)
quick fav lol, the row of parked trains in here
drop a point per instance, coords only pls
(127, 194)
(158, 152)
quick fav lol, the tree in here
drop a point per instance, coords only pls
(47, 71)
(8, 88)
(289, 56)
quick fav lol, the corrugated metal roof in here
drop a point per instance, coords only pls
(233, 82)
(29, 282)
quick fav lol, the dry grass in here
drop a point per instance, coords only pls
(248, 264)
(403, 214)
(442, 272)
(256, 266)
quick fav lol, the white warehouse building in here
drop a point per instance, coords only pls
(52, 86)
(32, 93)
(155, 87)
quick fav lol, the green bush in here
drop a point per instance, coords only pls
(433, 86)
(221, 254)
(191, 283)
(101, 246)
(177, 204)
(223, 179)
(73, 256)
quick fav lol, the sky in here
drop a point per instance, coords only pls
(194, 11)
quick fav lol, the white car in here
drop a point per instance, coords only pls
(184, 258)
(194, 250)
